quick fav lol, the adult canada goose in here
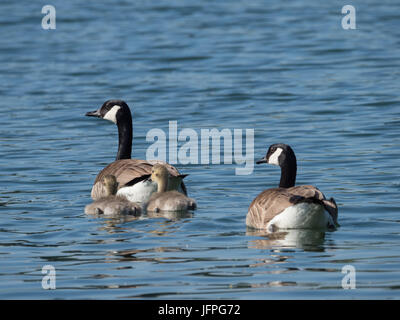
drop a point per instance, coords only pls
(112, 204)
(164, 200)
(290, 207)
(131, 174)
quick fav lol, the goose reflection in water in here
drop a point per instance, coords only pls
(118, 219)
(306, 239)
(162, 223)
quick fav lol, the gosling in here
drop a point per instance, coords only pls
(164, 200)
(112, 204)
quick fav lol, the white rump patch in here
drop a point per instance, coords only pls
(140, 192)
(301, 216)
(274, 158)
(112, 114)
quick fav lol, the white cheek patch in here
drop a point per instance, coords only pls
(112, 114)
(274, 158)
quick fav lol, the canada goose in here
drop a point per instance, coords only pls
(112, 204)
(131, 174)
(290, 207)
(164, 200)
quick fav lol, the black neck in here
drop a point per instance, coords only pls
(125, 138)
(288, 172)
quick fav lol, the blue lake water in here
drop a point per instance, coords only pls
(288, 70)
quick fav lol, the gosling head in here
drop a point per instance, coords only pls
(160, 174)
(111, 185)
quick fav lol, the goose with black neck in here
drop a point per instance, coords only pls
(131, 174)
(290, 206)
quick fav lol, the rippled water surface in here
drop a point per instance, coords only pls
(285, 69)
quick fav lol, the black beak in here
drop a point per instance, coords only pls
(263, 160)
(95, 113)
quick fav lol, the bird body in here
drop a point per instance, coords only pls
(127, 171)
(164, 200)
(112, 204)
(289, 206)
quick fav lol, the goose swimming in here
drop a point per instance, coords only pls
(290, 206)
(112, 204)
(164, 200)
(131, 174)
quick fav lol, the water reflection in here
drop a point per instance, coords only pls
(306, 239)
(171, 215)
(148, 255)
(127, 228)
(274, 284)
(114, 223)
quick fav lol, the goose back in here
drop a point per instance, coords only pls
(127, 170)
(272, 202)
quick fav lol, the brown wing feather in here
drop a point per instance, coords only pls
(266, 206)
(307, 191)
(271, 202)
(126, 170)
(311, 192)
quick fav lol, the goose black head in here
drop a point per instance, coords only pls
(278, 154)
(118, 112)
(282, 155)
(115, 110)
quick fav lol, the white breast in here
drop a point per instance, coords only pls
(140, 192)
(302, 216)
